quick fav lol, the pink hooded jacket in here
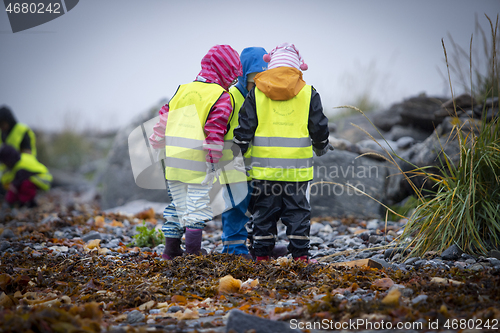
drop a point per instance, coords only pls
(220, 65)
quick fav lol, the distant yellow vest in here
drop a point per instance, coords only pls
(16, 136)
(282, 149)
(184, 134)
(42, 178)
(229, 175)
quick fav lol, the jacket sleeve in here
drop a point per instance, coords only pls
(247, 122)
(318, 123)
(157, 139)
(216, 128)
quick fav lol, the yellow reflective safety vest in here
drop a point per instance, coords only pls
(16, 136)
(42, 178)
(228, 174)
(184, 134)
(282, 149)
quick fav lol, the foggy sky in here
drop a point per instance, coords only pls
(104, 62)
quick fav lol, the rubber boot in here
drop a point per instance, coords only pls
(172, 248)
(305, 260)
(302, 258)
(193, 241)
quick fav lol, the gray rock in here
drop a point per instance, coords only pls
(419, 299)
(175, 308)
(339, 200)
(91, 235)
(494, 254)
(375, 239)
(407, 292)
(4, 245)
(135, 316)
(381, 146)
(405, 142)
(494, 261)
(381, 261)
(240, 322)
(452, 253)
(313, 241)
(315, 228)
(389, 253)
(7, 233)
(424, 154)
(372, 224)
(476, 267)
(116, 180)
(397, 132)
(411, 261)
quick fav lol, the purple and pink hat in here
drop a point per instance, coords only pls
(285, 55)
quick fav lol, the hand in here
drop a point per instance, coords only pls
(213, 171)
(160, 154)
(239, 164)
(321, 152)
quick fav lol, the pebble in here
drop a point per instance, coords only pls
(419, 299)
(326, 238)
(91, 236)
(7, 233)
(135, 316)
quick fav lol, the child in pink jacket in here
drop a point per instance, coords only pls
(190, 210)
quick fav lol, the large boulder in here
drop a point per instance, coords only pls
(431, 154)
(117, 183)
(331, 194)
(415, 111)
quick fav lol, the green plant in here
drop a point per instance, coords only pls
(148, 237)
(466, 208)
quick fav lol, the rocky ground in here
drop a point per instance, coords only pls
(67, 266)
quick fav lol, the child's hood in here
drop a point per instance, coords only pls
(252, 62)
(281, 83)
(221, 65)
(7, 116)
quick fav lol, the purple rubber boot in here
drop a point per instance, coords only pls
(193, 241)
(172, 248)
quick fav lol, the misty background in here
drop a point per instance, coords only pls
(105, 62)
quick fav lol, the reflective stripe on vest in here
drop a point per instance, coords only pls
(184, 134)
(229, 175)
(16, 136)
(42, 178)
(282, 149)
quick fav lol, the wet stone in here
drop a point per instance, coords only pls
(175, 308)
(419, 299)
(452, 253)
(7, 233)
(4, 245)
(411, 261)
(476, 267)
(315, 228)
(91, 236)
(375, 239)
(135, 316)
(372, 224)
